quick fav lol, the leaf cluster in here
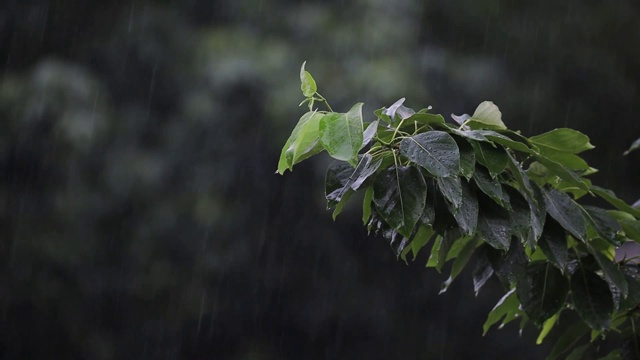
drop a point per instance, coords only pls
(476, 189)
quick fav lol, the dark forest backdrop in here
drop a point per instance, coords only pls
(140, 217)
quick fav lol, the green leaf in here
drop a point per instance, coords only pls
(542, 290)
(451, 235)
(568, 160)
(460, 261)
(506, 310)
(366, 205)
(451, 188)
(399, 111)
(491, 186)
(569, 338)
(634, 146)
(340, 205)
(603, 225)
(546, 328)
(538, 211)
(436, 151)
(466, 214)
(611, 272)
(520, 214)
(426, 118)
(563, 140)
(399, 194)
(562, 172)
(632, 275)
(611, 197)
(566, 212)
(308, 84)
(369, 133)
(342, 134)
(467, 158)
(434, 255)
(307, 130)
(422, 238)
(494, 159)
(526, 187)
(482, 270)
(367, 166)
(578, 353)
(553, 243)
(510, 265)
(592, 299)
(505, 141)
(488, 114)
(494, 226)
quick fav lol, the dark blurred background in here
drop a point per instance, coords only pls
(140, 215)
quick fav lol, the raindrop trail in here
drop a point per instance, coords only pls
(151, 85)
(204, 295)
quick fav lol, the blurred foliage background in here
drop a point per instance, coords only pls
(140, 215)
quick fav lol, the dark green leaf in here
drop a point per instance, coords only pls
(466, 214)
(426, 118)
(632, 275)
(526, 187)
(542, 290)
(429, 214)
(563, 140)
(399, 194)
(510, 265)
(507, 309)
(578, 353)
(553, 243)
(494, 226)
(611, 197)
(436, 151)
(342, 134)
(566, 212)
(569, 338)
(367, 166)
(520, 215)
(491, 187)
(451, 188)
(308, 84)
(505, 141)
(467, 158)
(538, 211)
(337, 181)
(493, 158)
(482, 270)
(451, 235)
(604, 225)
(611, 272)
(592, 299)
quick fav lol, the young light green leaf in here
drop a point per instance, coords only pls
(568, 160)
(493, 158)
(611, 197)
(436, 151)
(542, 290)
(399, 194)
(546, 328)
(566, 212)
(488, 114)
(308, 127)
(507, 309)
(340, 205)
(562, 172)
(450, 237)
(422, 238)
(460, 261)
(366, 205)
(563, 140)
(592, 299)
(307, 83)
(342, 134)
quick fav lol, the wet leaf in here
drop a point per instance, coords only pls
(300, 142)
(460, 261)
(366, 205)
(603, 224)
(492, 187)
(451, 188)
(369, 133)
(422, 238)
(494, 225)
(553, 243)
(507, 309)
(634, 146)
(566, 212)
(482, 270)
(542, 290)
(398, 110)
(562, 172)
(569, 338)
(592, 299)
(399, 194)
(562, 140)
(436, 151)
(337, 181)
(520, 214)
(466, 214)
(611, 197)
(546, 328)
(460, 119)
(342, 134)
(505, 141)
(611, 272)
(467, 158)
(493, 158)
